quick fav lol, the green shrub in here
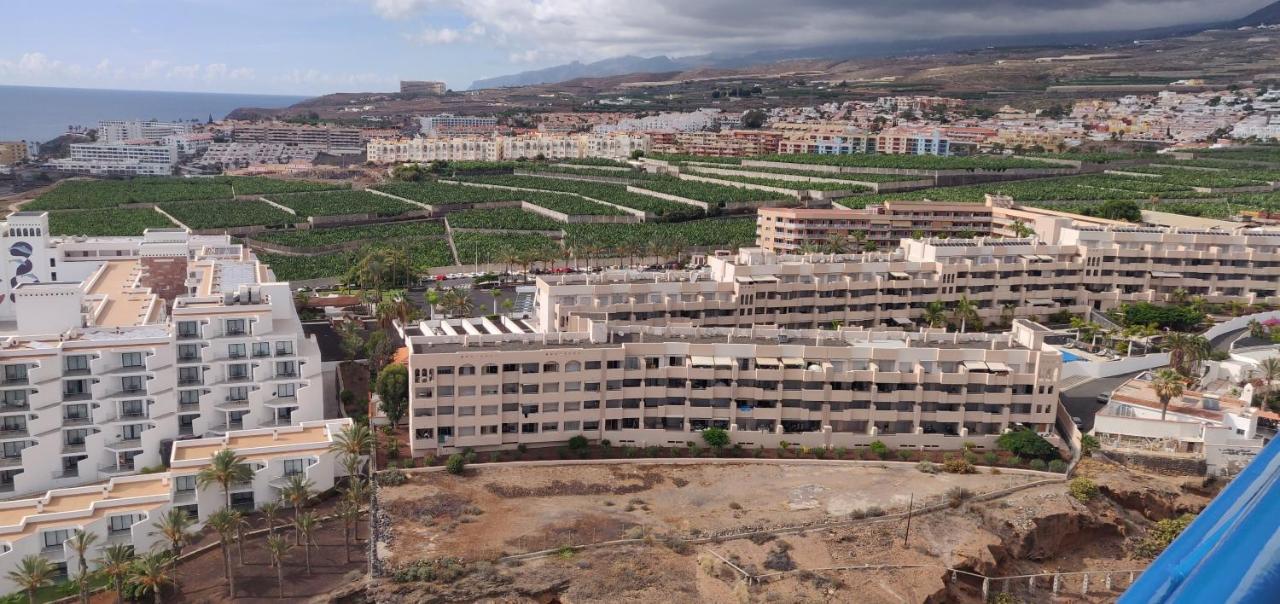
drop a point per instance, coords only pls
(1057, 465)
(578, 443)
(1038, 464)
(1083, 489)
(1089, 444)
(1162, 534)
(1026, 443)
(927, 467)
(904, 454)
(457, 464)
(391, 478)
(958, 466)
(880, 449)
(715, 437)
(990, 458)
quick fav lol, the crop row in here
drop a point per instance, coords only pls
(616, 194)
(90, 194)
(424, 253)
(507, 219)
(594, 161)
(794, 185)
(912, 162)
(1068, 188)
(337, 203)
(310, 238)
(228, 214)
(618, 239)
(497, 248)
(1263, 154)
(443, 194)
(1196, 178)
(707, 192)
(758, 172)
(682, 158)
(590, 171)
(118, 222)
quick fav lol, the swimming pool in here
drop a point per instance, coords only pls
(1068, 356)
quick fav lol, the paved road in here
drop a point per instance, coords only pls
(1082, 401)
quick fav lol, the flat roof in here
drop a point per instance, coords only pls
(239, 443)
(124, 307)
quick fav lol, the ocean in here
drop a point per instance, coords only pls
(31, 113)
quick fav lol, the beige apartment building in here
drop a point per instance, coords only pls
(1065, 267)
(491, 384)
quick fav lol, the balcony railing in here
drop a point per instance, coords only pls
(126, 443)
(120, 468)
(15, 408)
(9, 462)
(73, 447)
(76, 396)
(79, 420)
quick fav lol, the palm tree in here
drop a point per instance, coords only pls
(33, 572)
(349, 512)
(456, 302)
(935, 314)
(357, 493)
(1257, 330)
(307, 523)
(1021, 230)
(433, 300)
(175, 526)
(1007, 313)
(270, 511)
(80, 543)
(225, 468)
(225, 523)
(277, 546)
(1168, 385)
(964, 311)
(1270, 373)
(297, 491)
(115, 563)
(1187, 351)
(147, 574)
(351, 444)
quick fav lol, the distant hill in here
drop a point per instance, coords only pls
(632, 64)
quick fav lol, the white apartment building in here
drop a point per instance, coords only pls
(492, 384)
(119, 131)
(113, 348)
(473, 148)
(331, 138)
(1065, 267)
(120, 159)
(124, 508)
(247, 154)
(448, 123)
(702, 119)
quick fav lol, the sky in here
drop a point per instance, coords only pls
(320, 46)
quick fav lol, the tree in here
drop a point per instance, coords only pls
(392, 387)
(277, 546)
(115, 564)
(964, 311)
(716, 438)
(1125, 210)
(1270, 368)
(32, 573)
(224, 469)
(880, 449)
(175, 526)
(1168, 385)
(270, 511)
(456, 464)
(307, 523)
(148, 574)
(351, 444)
(352, 339)
(1026, 443)
(1021, 230)
(297, 491)
(380, 349)
(456, 302)
(935, 314)
(349, 512)
(80, 542)
(225, 523)
(754, 118)
(379, 269)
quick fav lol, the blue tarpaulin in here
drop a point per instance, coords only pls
(1231, 552)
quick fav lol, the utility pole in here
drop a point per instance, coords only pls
(910, 504)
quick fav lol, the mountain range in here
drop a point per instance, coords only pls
(615, 66)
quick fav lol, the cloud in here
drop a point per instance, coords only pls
(39, 69)
(593, 29)
(37, 66)
(431, 36)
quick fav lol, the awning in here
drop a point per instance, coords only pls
(767, 362)
(902, 321)
(792, 362)
(1031, 257)
(702, 361)
(897, 275)
(1164, 275)
(975, 366)
(1045, 258)
(1041, 302)
(723, 362)
(999, 368)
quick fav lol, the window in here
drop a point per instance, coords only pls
(235, 327)
(573, 366)
(550, 426)
(444, 370)
(490, 369)
(131, 383)
(14, 449)
(294, 467)
(13, 423)
(238, 371)
(131, 408)
(121, 523)
(15, 398)
(467, 370)
(188, 375)
(131, 359)
(286, 369)
(188, 352)
(184, 484)
(132, 431)
(75, 387)
(286, 390)
(78, 362)
(188, 329)
(236, 351)
(284, 348)
(238, 393)
(573, 386)
(593, 365)
(188, 397)
(15, 373)
(261, 349)
(56, 538)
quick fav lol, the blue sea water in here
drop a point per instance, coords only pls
(34, 113)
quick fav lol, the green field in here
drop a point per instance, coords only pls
(611, 193)
(339, 203)
(119, 222)
(507, 219)
(91, 194)
(618, 238)
(200, 215)
(395, 231)
(492, 248)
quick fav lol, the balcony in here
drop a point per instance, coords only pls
(193, 358)
(240, 378)
(78, 371)
(16, 381)
(189, 407)
(67, 473)
(14, 433)
(68, 397)
(286, 374)
(122, 536)
(16, 460)
(81, 420)
(184, 496)
(196, 381)
(120, 468)
(125, 444)
(15, 408)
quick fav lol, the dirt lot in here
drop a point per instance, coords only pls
(548, 507)
(474, 521)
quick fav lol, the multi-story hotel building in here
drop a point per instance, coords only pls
(113, 348)
(124, 509)
(448, 123)
(12, 152)
(1065, 266)
(422, 87)
(144, 158)
(332, 138)
(474, 148)
(119, 131)
(491, 384)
